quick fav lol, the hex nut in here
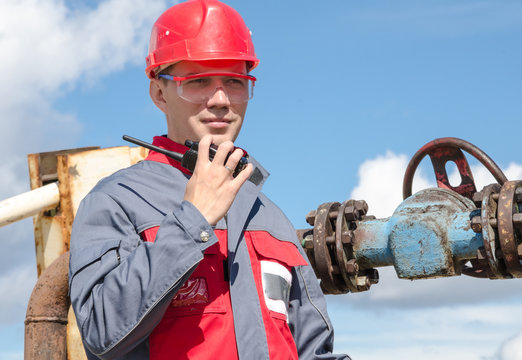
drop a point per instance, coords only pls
(310, 217)
(476, 224)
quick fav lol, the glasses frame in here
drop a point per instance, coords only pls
(179, 79)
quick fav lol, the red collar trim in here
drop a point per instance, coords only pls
(165, 143)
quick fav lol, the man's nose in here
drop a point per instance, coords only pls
(219, 98)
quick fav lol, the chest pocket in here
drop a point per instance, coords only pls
(276, 259)
(203, 292)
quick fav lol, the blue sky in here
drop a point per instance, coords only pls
(347, 91)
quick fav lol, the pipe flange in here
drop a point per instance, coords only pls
(330, 250)
(489, 237)
(331, 281)
(343, 248)
(509, 241)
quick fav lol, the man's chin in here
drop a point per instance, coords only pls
(218, 139)
(219, 136)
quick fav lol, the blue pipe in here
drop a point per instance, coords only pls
(428, 235)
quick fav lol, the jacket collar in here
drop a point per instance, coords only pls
(165, 143)
(258, 177)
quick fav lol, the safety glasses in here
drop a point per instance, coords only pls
(199, 88)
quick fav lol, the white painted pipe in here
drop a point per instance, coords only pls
(29, 203)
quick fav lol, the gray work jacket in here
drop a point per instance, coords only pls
(120, 286)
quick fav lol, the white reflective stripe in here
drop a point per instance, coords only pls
(274, 274)
(277, 306)
(272, 267)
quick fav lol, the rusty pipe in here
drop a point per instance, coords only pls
(46, 316)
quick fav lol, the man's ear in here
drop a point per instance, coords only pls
(157, 94)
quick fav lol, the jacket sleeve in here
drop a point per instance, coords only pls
(120, 286)
(308, 319)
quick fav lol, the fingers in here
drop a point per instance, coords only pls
(233, 160)
(244, 175)
(212, 187)
(226, 157)
(222, 152)
(203, 149)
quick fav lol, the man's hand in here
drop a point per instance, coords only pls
(212, 189)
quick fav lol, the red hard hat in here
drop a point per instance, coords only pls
(199, 30)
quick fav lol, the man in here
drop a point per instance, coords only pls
(166, 264)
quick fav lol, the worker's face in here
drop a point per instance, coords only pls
(215, 116)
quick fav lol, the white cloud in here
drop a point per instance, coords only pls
(394, 293)
(467, 331)
(47, 50)
(17, 285)
(512, 349)
(380, 183)
(51, 45)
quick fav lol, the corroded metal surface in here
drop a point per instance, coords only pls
(500, 223)
(439, 157)
(46, 317)
(429, 235)
(507, 207)
(446, 149)
(76, 171)
(50, 232)
(343, 237)
(329, 246)
(488, 213)
(324, 232)
(425, 232)
(436, 232)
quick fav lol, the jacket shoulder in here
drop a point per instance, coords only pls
(267, 216)
(143, 171)
(144, 192)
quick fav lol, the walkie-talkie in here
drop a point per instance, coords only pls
(190, 157)
(188, 160)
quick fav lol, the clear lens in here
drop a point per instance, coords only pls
(201, 89)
